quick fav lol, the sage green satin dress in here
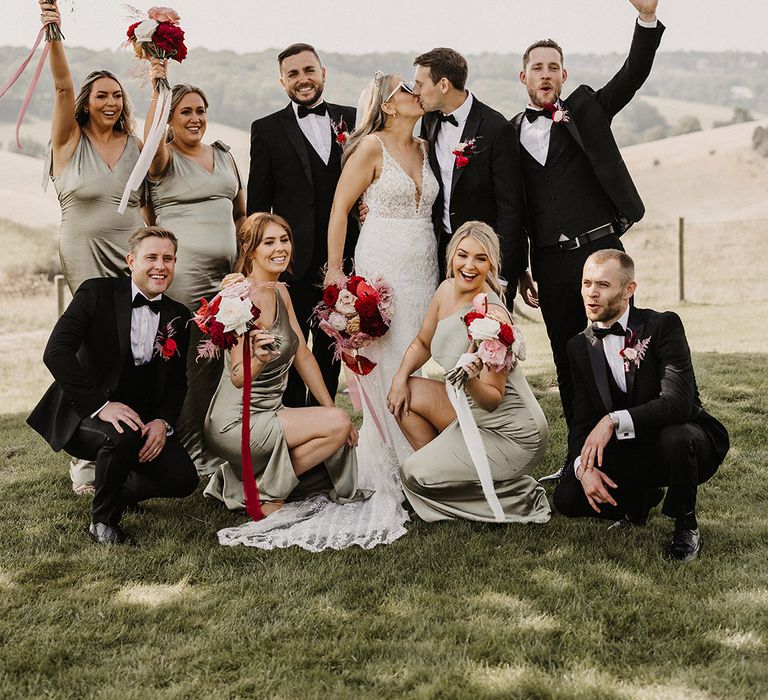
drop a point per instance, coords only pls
(197, 206)
(275, 477)
(440, 480)
(93, 238)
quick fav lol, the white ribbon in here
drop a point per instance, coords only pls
(156, 132)
(474, 443)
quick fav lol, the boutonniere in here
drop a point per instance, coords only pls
(558, 113)
(634, 351)
(465, 150)
(165, 346)
(340, 132)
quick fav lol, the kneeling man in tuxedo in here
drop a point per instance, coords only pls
(638, 424)
(118, 359)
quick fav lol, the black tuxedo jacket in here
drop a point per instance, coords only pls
(591, 112)
(88, 348)
(661, 391)
(489, 188)
(280, 181)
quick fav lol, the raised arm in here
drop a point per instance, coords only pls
(65, 132)
(362, 168)
(162, 157)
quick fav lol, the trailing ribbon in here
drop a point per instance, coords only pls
(156, 132)
(250, 490)
(374, 416)
(32, 84)
(474, 443)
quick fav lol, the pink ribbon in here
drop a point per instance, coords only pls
(374, 416)
(32, 85)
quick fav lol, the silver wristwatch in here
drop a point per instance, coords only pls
(614, 419)
(168, 428)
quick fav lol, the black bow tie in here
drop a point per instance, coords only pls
(533, 114)
(615, 329)
(320, 110)
(154, 306)
(447, 118)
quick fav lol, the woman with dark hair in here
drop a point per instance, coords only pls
(93, 151)
(92, 154)
(296, 452)
(194, 190)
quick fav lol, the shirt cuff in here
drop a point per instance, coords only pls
(626, 429)
(648, 25)
(96, 412)
(576, 465)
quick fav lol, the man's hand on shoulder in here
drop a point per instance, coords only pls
(155, 432)
(646, 9)
(115, 412)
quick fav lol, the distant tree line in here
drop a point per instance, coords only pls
(241, 87)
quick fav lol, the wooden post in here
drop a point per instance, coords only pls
(681, 256)
(60, 284)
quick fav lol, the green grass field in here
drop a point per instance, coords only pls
(452, 610)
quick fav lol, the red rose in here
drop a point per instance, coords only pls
(219, 337)
(330, 295)
(506, 334)
(471, 316)
(353, 282)
(131, 30)
(462, 161)
(255, 312)
(170, 39)
(341, 137)
(169, 348)
(367, 308)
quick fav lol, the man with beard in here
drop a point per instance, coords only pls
(637, 423)
(295, 165)
(483, 182)
(580, 196)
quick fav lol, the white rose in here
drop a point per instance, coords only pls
(235, 314)
(345, 304)
(337, 320)
(484, 329)
(145, 31)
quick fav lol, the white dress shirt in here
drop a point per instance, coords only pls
(612, 346)
(317, 129)
(448, 137)
(144, 325)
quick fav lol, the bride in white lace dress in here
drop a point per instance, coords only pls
(389, 168)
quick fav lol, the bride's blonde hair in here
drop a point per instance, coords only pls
(371, 116)
(487, 238)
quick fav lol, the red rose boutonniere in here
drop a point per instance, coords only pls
(340, 132)
(165, 346)
(634, 351)
(465, 150)
(558, 113)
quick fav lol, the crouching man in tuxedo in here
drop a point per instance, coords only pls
(638, 423)
(118, 359)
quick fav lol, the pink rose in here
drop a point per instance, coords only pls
(386, 293)
(164, 14)
(493, 353)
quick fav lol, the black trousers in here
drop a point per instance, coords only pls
(121, 479)
(558, 278)
(304, 295)
(680, 458)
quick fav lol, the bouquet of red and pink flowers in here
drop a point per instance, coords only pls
(230, 314)
(354, 312)
(158, 36)
(497, 343)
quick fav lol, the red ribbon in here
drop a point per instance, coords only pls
(250, 490)
(33, 83)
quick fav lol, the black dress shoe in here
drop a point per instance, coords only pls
(109, 534)
(685, 545)
(554, 477)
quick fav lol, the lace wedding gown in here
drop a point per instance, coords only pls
(397, 242)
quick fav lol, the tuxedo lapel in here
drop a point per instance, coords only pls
(573, 130)
(471, 127)
(296, 139)
(123, 312)
(599, 368)
(432, 125)
(336, 117)
(636, 325)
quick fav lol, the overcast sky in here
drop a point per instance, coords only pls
(501, 26)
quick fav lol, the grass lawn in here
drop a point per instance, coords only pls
(452, 610)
